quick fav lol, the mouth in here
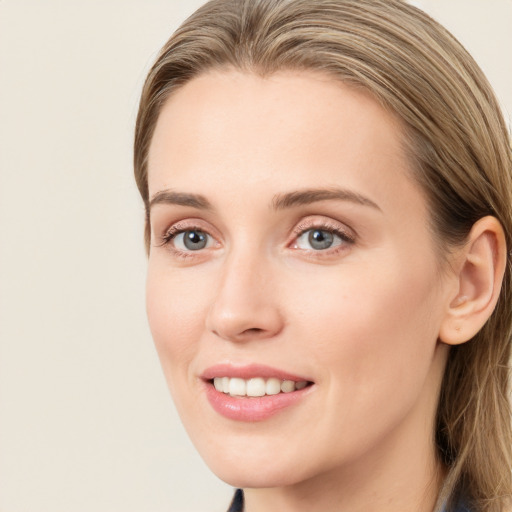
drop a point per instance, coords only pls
(254, 392)
(257, 386)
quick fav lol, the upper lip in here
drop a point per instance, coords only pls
(249, 371)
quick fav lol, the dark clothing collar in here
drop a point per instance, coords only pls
(237, 505)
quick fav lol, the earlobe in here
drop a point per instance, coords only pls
(479, 273)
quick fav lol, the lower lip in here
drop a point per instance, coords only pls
(252, 408)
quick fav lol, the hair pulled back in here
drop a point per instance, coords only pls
(460, 153)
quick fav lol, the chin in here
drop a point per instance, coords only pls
(251, 464)
(262, 476)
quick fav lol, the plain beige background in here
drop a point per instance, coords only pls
(86, 423)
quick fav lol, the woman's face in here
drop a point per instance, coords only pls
(291, 250)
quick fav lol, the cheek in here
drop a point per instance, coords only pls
(372, 336)
(372, 324)
(175, 313)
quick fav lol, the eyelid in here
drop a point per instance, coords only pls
(178, 240)
(325, 224)
(181, 226)
(347, 235)
(189, 224)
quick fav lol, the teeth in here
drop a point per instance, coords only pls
(256, 386)
(237, 387)
(287, 386)
(273, 387)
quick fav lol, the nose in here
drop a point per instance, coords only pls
(245, 305)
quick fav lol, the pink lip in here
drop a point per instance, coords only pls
(248, 372)
(251, 409)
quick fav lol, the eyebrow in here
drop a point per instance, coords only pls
(180, 198)
(279, 202)
(308, 196)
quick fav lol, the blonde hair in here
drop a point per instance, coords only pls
(459, 146)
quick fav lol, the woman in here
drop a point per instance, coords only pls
(328, 195)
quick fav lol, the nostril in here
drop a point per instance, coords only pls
(253, 330)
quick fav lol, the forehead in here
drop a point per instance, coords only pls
(291, 129)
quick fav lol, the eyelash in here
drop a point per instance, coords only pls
(173, 232)
(301, 229)
(345, 237)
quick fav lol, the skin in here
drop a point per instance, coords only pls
(360, 319)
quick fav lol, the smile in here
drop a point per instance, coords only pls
(253, 392)
(257, 386)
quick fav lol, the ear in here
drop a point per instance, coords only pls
(479, 269)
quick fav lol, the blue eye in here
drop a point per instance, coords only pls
(191, 240)
(318, 239)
